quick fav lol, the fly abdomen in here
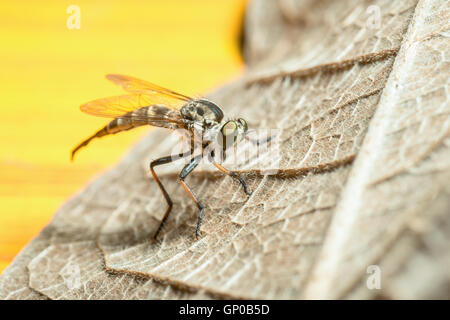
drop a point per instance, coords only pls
(115, 126)
(119, 124)
(155, 115)
(158, 116)
(102, 132)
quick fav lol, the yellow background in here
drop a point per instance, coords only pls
(47, 71)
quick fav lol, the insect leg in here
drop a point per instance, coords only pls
(260, 141)
(157, 162)
(183, 174)
(233, 175)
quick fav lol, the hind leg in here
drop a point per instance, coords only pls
(158, 162)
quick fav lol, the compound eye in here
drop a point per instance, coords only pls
(229, 133)
(229, 128)
(243, 123)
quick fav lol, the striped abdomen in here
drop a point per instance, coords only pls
(158, 116)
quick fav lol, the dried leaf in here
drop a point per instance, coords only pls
(364, 123)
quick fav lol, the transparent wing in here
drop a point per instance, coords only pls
(138, 86)
(122, 107)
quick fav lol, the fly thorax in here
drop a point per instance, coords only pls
(210, 135)
(202, 110)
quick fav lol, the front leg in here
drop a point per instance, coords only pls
(234, 175)
(260, 141)
(183, 174)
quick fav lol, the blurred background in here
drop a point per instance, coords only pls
(49, 67)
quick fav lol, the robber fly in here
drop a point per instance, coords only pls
(149, 104)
